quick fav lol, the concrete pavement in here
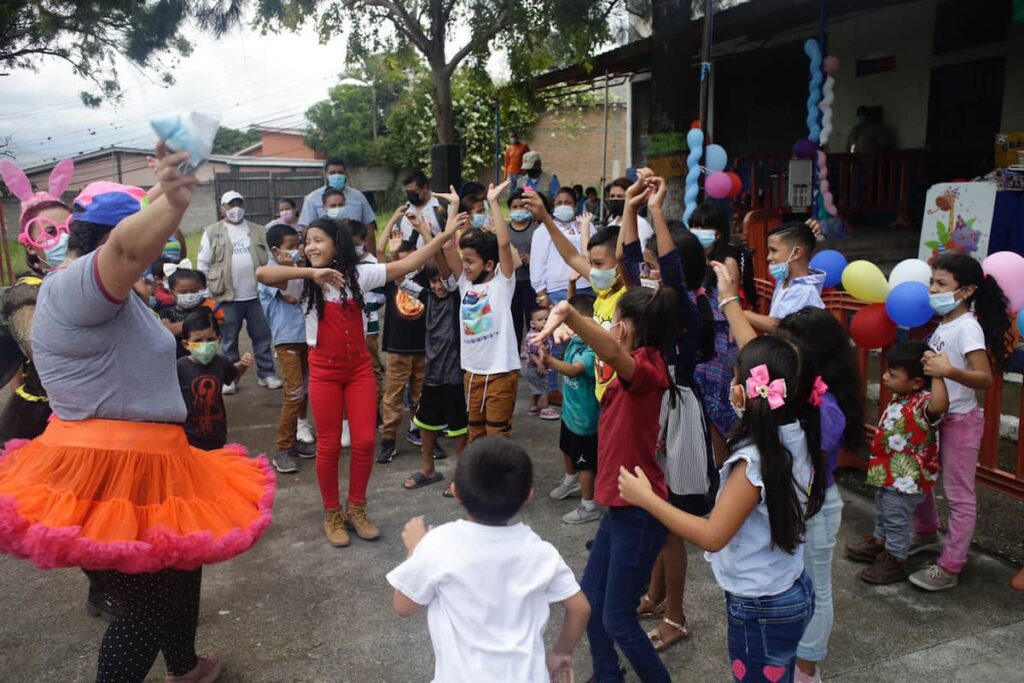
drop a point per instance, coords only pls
(296, 609)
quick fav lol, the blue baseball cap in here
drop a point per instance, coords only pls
(106, 203)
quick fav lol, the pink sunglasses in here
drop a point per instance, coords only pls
(49, 232)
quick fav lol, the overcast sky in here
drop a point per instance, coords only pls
(245, 77)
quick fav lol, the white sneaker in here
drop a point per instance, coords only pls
(346, 438)
(270, 382)
(304, 432)
(229, 389)
(582, 515)
(563, 490)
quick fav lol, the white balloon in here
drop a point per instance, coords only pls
(910, 270)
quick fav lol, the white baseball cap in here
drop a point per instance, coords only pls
(230, 196)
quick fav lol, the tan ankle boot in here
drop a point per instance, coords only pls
(358, 521)
(334, 528)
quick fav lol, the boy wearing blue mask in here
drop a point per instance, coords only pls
(521, 228)
(797, 285)
(358, 206)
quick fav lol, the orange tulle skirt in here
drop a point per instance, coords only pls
(130, 496)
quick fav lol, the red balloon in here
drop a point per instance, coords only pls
(737, 184)
(695, 124)
(871, 327)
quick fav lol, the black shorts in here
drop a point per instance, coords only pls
(443, 408)
(582, 449)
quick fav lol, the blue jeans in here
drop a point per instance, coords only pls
(259, 332)
(627, 542)
(819, 541)
(764, 632)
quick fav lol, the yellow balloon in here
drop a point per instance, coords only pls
(863, 280)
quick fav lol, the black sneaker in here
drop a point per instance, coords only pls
(301, 449)
(439, 453)
(387, 451)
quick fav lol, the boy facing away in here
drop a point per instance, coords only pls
(487, 607)
(790, 247)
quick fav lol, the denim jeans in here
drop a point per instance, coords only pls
(621, 558)
(819, 541)
(894, 520)
(257, 327)
(764, 632)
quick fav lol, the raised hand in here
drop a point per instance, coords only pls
(727, 286)
(176, 187)
(451, 196)
(536, 205)
(659, 188)
(936, 364)
(556, 317)
(494, 193)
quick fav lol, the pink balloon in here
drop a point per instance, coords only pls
(718, 185)
(831, 65)
(1007, 268)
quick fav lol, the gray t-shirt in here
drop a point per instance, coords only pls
(103, 358)
(521, 240)
(444, 365)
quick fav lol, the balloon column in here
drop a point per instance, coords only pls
(819, 104)
(695, 141)
(813, 52)
(719, 183)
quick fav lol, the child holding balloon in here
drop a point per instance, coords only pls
(964, 347)
(797, 285)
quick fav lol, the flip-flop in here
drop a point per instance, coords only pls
(448, 492)
(420, 480)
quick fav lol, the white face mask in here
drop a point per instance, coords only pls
(188, 300)
(360, 249)
(236, 214)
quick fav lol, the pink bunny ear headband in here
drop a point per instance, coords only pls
(18, 183)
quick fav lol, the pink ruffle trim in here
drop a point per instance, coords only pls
(56, 547)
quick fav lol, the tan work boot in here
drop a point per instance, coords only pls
(334, 528)
(358, 521)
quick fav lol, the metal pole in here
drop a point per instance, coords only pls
(604, 148)
(497, 143)
(705, 69)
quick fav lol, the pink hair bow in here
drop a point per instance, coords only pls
(759, 384)
(817, 392)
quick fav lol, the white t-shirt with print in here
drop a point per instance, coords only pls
(956, 339)
(488, 591)
(371, 276)
(243, 273)
(487, 333)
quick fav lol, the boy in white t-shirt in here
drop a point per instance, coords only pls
(490, 349)
(487, 607)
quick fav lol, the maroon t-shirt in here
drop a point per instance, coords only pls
(627, 431)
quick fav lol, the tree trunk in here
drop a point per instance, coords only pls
(443, 109)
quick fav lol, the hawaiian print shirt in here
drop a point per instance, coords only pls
(904, 452)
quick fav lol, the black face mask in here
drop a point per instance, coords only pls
(534, 172)
(616, 206)
(482, 277)
(413, 197)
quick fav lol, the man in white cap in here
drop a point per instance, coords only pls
(229, 254)
(536, 178)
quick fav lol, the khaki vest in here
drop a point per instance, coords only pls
(219, 277)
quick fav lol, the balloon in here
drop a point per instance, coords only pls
(695, 140)
(908, 306)
(718, 185)
(828, 96)
(871, 327)
(695, 124)
(804, 148)
(813, 51)
(833, 263)
(863, 280)
(910, 270)
(831, 65)
(1007, 268)
(715, 158)
(737, 184)
(1020, 323)
(823, 186)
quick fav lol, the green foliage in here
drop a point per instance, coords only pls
(230, 140)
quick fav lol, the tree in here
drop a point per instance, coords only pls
(90, 36)
(533, 32)
(230, 140)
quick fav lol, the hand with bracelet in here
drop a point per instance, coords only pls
(729, 305)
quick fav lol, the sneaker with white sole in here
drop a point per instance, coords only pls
(285, 463)
(934, 578)
(229, 389)
(563, 490)
(549, 414)
(301, 449)
(270, 382)
(582, 515)
(920, 543)
(346, 437)
(304, 432)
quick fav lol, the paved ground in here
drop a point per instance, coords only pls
(295, 609)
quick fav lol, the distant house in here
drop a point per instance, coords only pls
(280, 142)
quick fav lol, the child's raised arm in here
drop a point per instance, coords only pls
(277, 276)
(939, 402)
(977, 375)
(577, 614)
(415, 260)
(450, 249)
(506, 260)
(599, 339)
(729, 304)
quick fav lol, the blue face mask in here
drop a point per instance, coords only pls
(943, 302)
(564, 213)
(780, 271)
(337, 212)
(56, 254)
(479, 219)
(707, 237)
(337, 180)
(520, 216)
(602, 280)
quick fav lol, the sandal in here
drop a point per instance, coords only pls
(662, 645)
(448, 492)
(648, 608)
(419, 480)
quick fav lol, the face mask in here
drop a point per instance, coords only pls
(564, 213)
(336, 212)
(780, 271)
(707, 237)
(56, 254)
(616, 206)
(649, 284)
(287, 215)
(520, 216)
(414, 198)
(203, 351)
(479, 219)
(188, 301)
(337, 180)
(288, 256)
(235, 214)
(360, 250)
(602, 280)
(482, 278)
(534, 172)
(943, 302)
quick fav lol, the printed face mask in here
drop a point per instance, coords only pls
(564, 213)
(189, 300)
(203, 351)
(943, 302)
(520, 216)
(602, 280)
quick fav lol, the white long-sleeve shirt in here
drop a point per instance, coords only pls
(548, 270)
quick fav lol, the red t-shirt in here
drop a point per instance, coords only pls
(627, 431)
(514, 157)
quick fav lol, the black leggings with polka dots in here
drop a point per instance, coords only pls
(160, 612)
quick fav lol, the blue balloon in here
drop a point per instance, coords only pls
(1020, 322)
(715, 159)
(833, 263)
(908, 306)
(695, 141)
